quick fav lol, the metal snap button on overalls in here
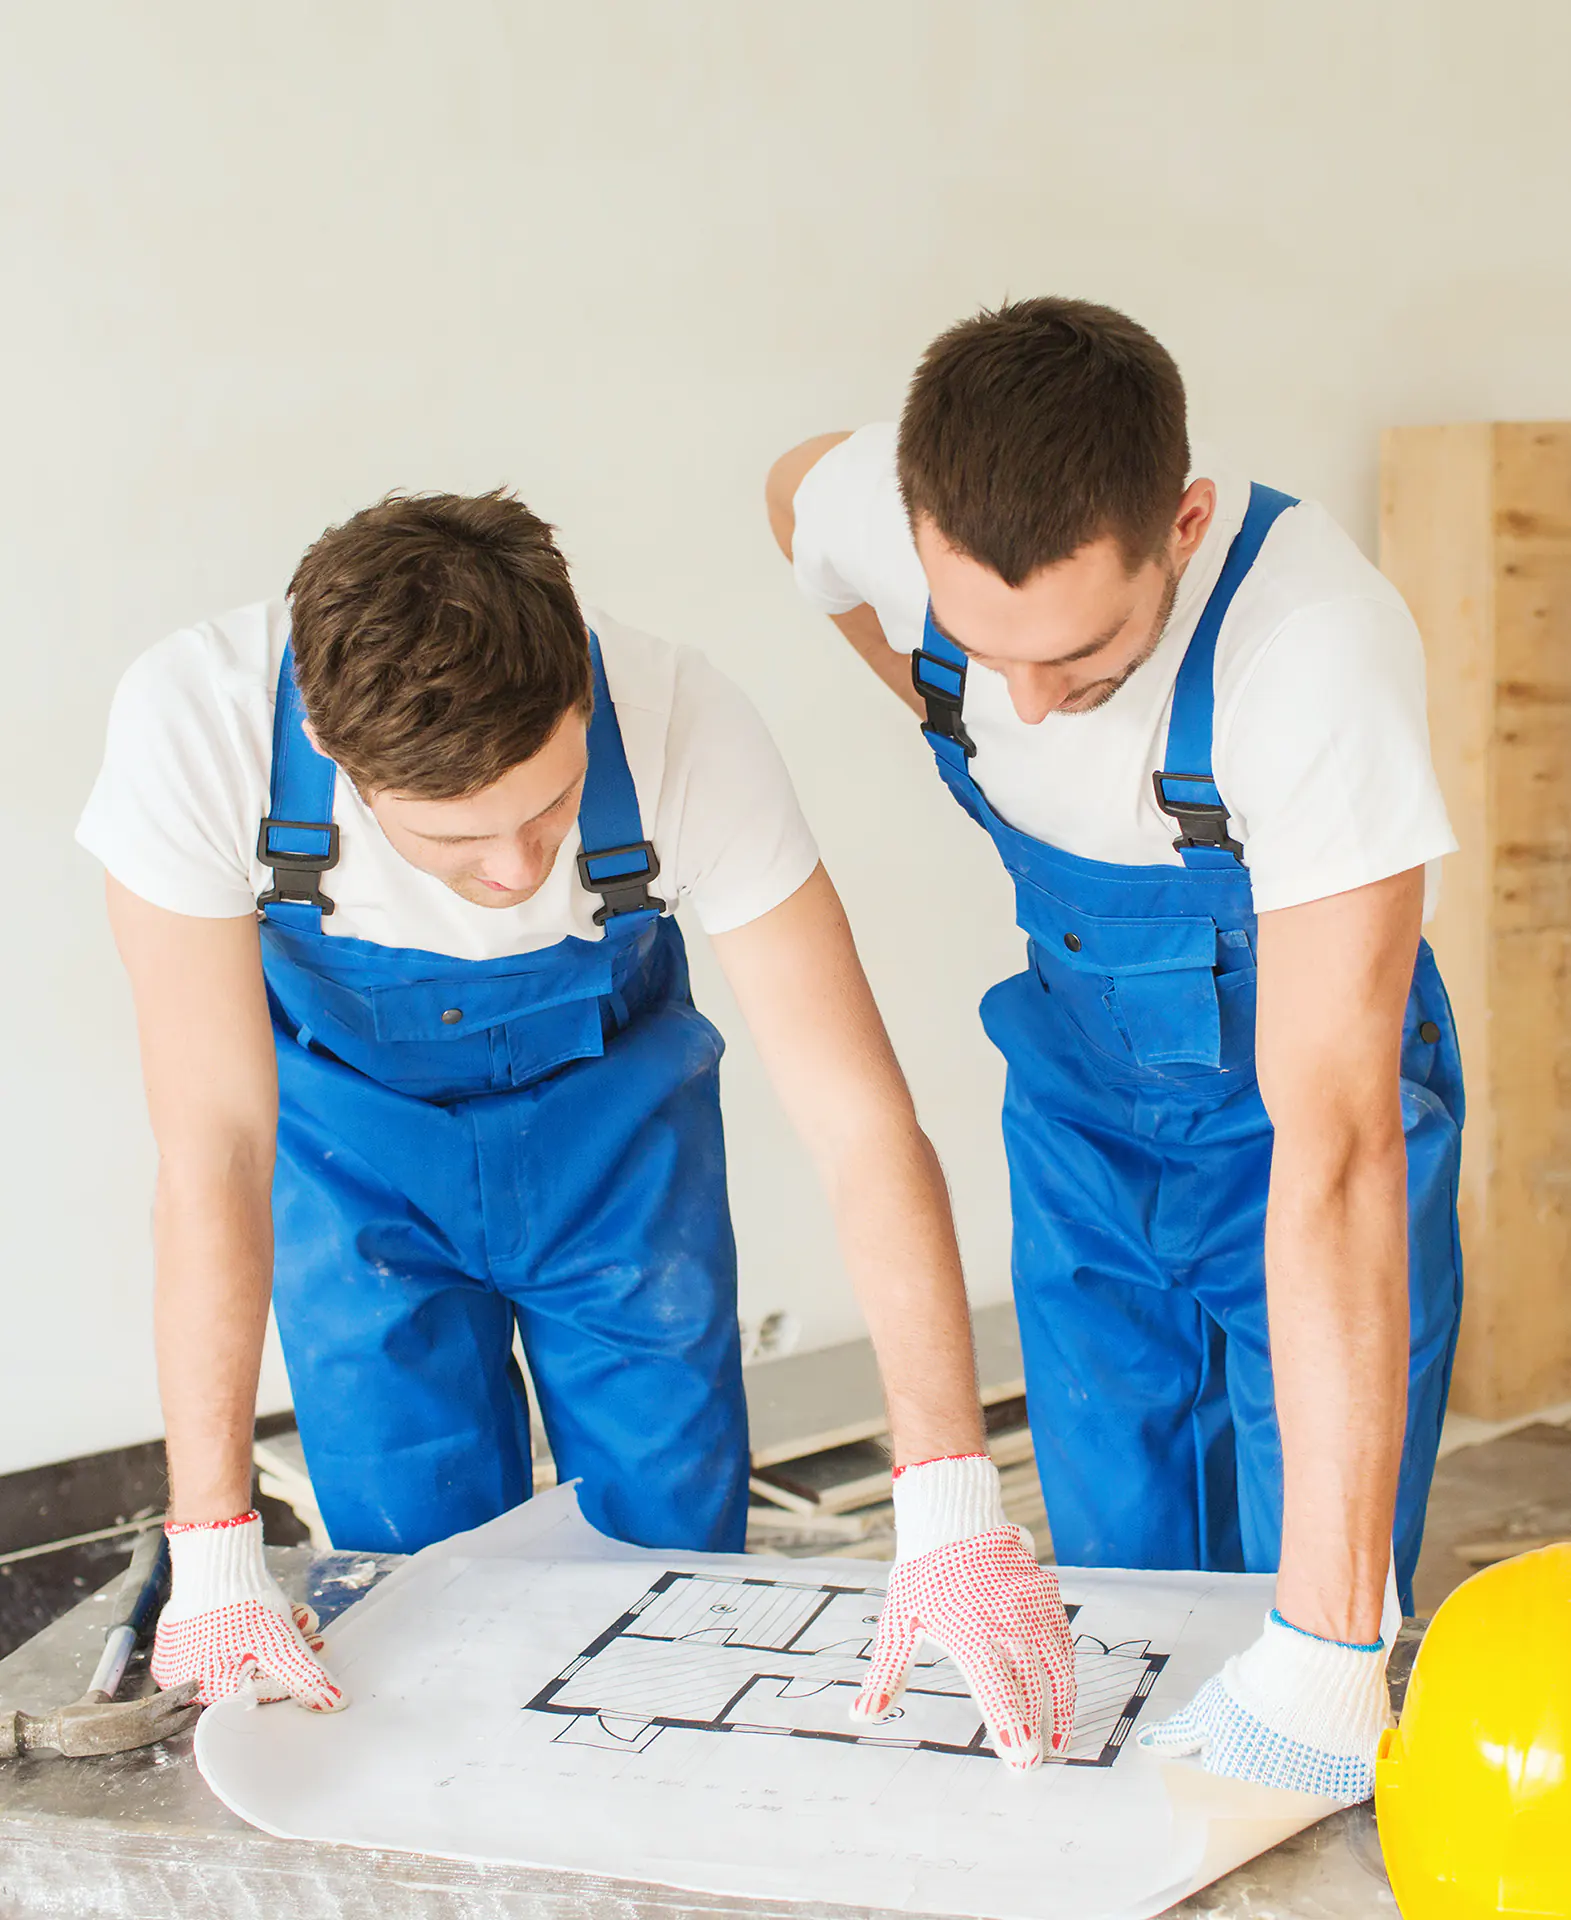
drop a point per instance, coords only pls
(1428, 1032)
(1072, 941)
(451, 1016)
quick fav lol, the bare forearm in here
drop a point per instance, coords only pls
(898, 1244)
(1336, 1266)
(804, 996)
(863, 628)
(213, 1240)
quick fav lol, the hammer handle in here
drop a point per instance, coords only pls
(139, 1596)
(145, 1583)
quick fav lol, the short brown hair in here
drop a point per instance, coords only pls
(1036, 428)
(438, 642)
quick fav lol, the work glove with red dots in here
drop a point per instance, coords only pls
(228, 1624)
(966, 1582)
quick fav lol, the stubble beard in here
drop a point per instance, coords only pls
(1090, 698)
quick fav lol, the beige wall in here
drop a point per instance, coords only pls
(261, 264)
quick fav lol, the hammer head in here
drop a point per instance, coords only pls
(96, 1725)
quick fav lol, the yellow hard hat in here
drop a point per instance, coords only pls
(1473, 1789)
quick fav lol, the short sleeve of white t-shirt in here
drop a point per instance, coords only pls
(1320, 738)
(852, 541)
(186, 778)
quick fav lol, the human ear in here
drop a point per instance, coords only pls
(1195, 513)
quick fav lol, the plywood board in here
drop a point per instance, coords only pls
(1476, 532)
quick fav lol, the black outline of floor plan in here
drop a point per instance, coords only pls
(798, 1639)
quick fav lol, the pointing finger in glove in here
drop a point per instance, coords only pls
(973, 1588)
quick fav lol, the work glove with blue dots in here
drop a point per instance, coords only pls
(1292, 1710)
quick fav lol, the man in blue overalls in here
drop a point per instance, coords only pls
(391, 872)
(1190, 716)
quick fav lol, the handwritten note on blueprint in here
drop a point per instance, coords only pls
(535, 1694)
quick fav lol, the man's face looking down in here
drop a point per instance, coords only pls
(1072, 633)
(494, 848)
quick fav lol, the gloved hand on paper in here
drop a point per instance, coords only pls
(1292, 1710)
(228, 1624)
(968, 1582)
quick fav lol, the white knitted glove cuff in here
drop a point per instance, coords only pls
(1326, 1695)
(941, 1501)
(219, 1564)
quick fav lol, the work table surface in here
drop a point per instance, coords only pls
(139, 1836)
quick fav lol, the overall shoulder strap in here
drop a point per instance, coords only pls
(938, 672)
(298, 839)
(1185, 790)
(617, 862)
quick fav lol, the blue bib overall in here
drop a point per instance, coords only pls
(1140, 1160)
(470, 1146)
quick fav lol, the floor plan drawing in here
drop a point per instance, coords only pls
(741, 1655)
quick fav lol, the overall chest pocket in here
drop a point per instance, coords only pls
(1170, 991)
(446, 1039)
(437, 1030)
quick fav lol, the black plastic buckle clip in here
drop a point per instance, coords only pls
(297, 877)
(943, 703)
(622, 892)
(1204, 822)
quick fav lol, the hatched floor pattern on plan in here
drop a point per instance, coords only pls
(733, 1655)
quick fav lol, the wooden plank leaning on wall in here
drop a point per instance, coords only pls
(1475, 529)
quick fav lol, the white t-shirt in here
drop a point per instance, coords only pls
(187, 773)
(1321, 740)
